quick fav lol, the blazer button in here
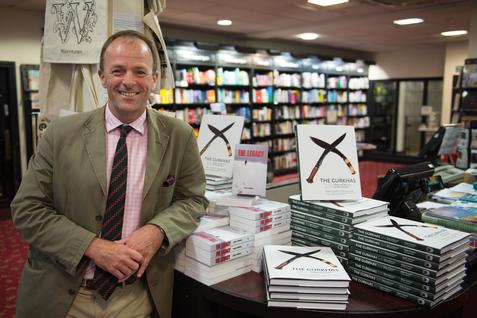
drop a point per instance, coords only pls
(99, 218)
(71, 291)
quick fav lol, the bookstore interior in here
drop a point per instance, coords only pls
(282, 135)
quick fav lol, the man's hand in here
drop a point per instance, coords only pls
(117, 259)
(146, 240)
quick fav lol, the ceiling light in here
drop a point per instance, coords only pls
(454, 33)
(308, 36)
(224, 22)
(408, 21)
(325, 3)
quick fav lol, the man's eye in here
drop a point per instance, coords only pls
(141, 73)
(117, 72)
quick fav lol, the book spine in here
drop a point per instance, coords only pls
(319, 230)
(390, 261)
(451, 224)
(326, 215)
(357, 246)
(314, 240)
(319, 233)
(391, 283)
(397, 248)
(417, 284)
(392, 291)
(322, 221)
(392, 269)
(393, 240)
(311, 206)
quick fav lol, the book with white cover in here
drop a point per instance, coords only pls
(250, 170)
(259, 227)
(218, 238)
(218, 137)
(267, 220)
(431, 238)
(261, 209)
(328, 162)
(233, 200)
(208, 222)
(211, 260)
(303, 266)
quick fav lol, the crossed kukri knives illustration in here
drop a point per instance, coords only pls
(328, 148)
(218, 134)
(298, 255)
(400, 228)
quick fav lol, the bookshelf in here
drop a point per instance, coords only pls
(30, 79)
(272, 92)
(464, 94)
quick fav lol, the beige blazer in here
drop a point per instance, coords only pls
(59, 206)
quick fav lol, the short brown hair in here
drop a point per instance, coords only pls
(132, 35)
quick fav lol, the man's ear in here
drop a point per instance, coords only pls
(102, 77)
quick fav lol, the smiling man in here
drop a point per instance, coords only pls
(106, 197)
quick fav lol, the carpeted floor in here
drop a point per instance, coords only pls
(13, 250)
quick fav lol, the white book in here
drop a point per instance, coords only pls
(208, 222)
(270, 240)
(328, 162)
(271, 232)
(211, 260)
(430, 238)
(193, 265)
(217, 279)
(237, 201)
(309, 297)
(264, 221)
(308, 290)
(259, 228)
(303, 266)
(260, 210)
(218, 238)
(250, 169)
(218, 137)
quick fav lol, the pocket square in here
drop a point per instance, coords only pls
(169, 181)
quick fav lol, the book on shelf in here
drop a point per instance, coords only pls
(211, 259)
(432, 239)
(328, 162)
(250, 170)
(218, 137)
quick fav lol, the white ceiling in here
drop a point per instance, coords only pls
(363, 25)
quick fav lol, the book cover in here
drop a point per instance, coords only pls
(467, 216)
(250, 170)
(307, 266)
(430, 238)
(328, 162)
(218, 137)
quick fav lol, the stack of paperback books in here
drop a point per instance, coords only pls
(420, 262)
(268, 221)
(223, 246)
(304, 277)
(330, 223)
(213, 183)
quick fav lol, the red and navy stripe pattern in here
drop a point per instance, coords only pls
(103, 282)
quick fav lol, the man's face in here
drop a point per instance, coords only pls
(128, 77)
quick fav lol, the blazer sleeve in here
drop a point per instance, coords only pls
(182, 217)
(33, 211)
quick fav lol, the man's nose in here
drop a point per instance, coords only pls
(129, 78)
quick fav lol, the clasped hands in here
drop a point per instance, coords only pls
(129, 255)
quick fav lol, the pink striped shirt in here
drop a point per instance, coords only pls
(136, 142)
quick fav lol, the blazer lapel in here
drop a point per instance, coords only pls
(95, 146)
(156, 147)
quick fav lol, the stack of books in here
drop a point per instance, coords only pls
(214, 208)
(217, 254)
(420, 262)
(213, 183)
(330, 223)
(304, 277)
(268, 221)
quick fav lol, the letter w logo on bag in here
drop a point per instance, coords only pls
(68, 19)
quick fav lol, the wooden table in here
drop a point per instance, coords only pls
(244, 297)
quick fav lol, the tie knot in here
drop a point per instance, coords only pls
(125, 129)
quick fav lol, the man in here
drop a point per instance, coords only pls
(106, 197)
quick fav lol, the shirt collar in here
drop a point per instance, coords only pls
(112, 122)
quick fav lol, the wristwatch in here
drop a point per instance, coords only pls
(165, 241)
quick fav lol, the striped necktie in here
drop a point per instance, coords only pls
(103, 282)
